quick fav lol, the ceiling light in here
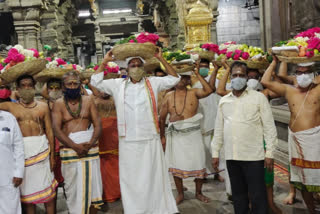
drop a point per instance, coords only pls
(114, 11)
(84, 13)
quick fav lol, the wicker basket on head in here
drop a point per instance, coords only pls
(144, 50)
(208, 55)
(296, 60)
(181, 68)
(50, 73)
(111, 76)
(151, 64)
(86, 74)
(219, 63)
(263, 64)
(31, 67)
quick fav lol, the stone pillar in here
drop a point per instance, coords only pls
(26, 15)
(214, 6)
(98, 41)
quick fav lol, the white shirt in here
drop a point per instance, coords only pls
(138, 121)
(241, 125)
(11, 149)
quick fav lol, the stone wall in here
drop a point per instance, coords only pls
(238, 24)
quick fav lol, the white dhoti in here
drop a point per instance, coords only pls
(10, 200)
(144, 178)
(304, 150)
(82, 176)
(38, 185)
(185, 151)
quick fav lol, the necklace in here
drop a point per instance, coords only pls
(74, 114)
(184, 103)
(29, 107)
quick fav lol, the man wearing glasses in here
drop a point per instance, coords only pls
(304, 128)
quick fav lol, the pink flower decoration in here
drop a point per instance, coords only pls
(224, 51)
(238, 52)
(309, 53)
(15, 56)
(211, 47)
(245, 55)
(147, 37)
(309, 33)
(49, 59)
(314, 43)
(229, 54)
(74, 66)
(61, 61)
(236, 57)
(1, 67)
(96, 67)
(111, 69)
(36, 53)
(230, 43)
(131, 41)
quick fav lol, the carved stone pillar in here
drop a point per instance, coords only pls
(26, 15)
(98, 41)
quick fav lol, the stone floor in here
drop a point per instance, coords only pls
(215, 190)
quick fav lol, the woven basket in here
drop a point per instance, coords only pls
(151, 64)
(208, 55)
(50, 73)
(296, 60)
(111, 76)
(181, 68)
(219, 63)
(144, 50)
(86, 75)
(31, 67)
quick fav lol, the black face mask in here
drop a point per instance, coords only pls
(72, 93)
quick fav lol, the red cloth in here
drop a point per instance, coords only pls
(109, 159)
(57, 170)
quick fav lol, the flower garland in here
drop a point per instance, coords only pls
(141, 38)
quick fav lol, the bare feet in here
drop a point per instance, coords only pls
(202, 198)
(219, 178)
(290, 199)
(179, 199)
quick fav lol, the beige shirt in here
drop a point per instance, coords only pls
(242, 124)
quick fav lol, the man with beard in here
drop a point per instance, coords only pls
(185, 150)
(39, 185)
(12, 159)
(244, 120)
(144, 178)
(73, 117)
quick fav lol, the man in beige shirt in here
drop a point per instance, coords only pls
(244, 119)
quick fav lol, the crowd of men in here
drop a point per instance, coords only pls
(135, 130)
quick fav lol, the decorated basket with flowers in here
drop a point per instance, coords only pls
(21, 61)
(111, 70)
(254, 57)
(304, 47)
(143, 45)
(181, 61)
(207, 51)
(55, 69)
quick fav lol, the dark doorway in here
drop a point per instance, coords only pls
(8, 34)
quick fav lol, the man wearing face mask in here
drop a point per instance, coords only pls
(243, 120)
(77, 126)
(304, 128)
(140, 152)
(39, 185)
(208, 108)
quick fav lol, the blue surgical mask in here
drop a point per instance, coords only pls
(238, 83)
(204, 72)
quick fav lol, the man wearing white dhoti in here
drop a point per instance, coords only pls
(39, 185)
(80, 164)
(185, 150)
(144, 179)
(11, 164)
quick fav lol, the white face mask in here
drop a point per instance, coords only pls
(304, 80)
(238, 83)
(254, 85)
